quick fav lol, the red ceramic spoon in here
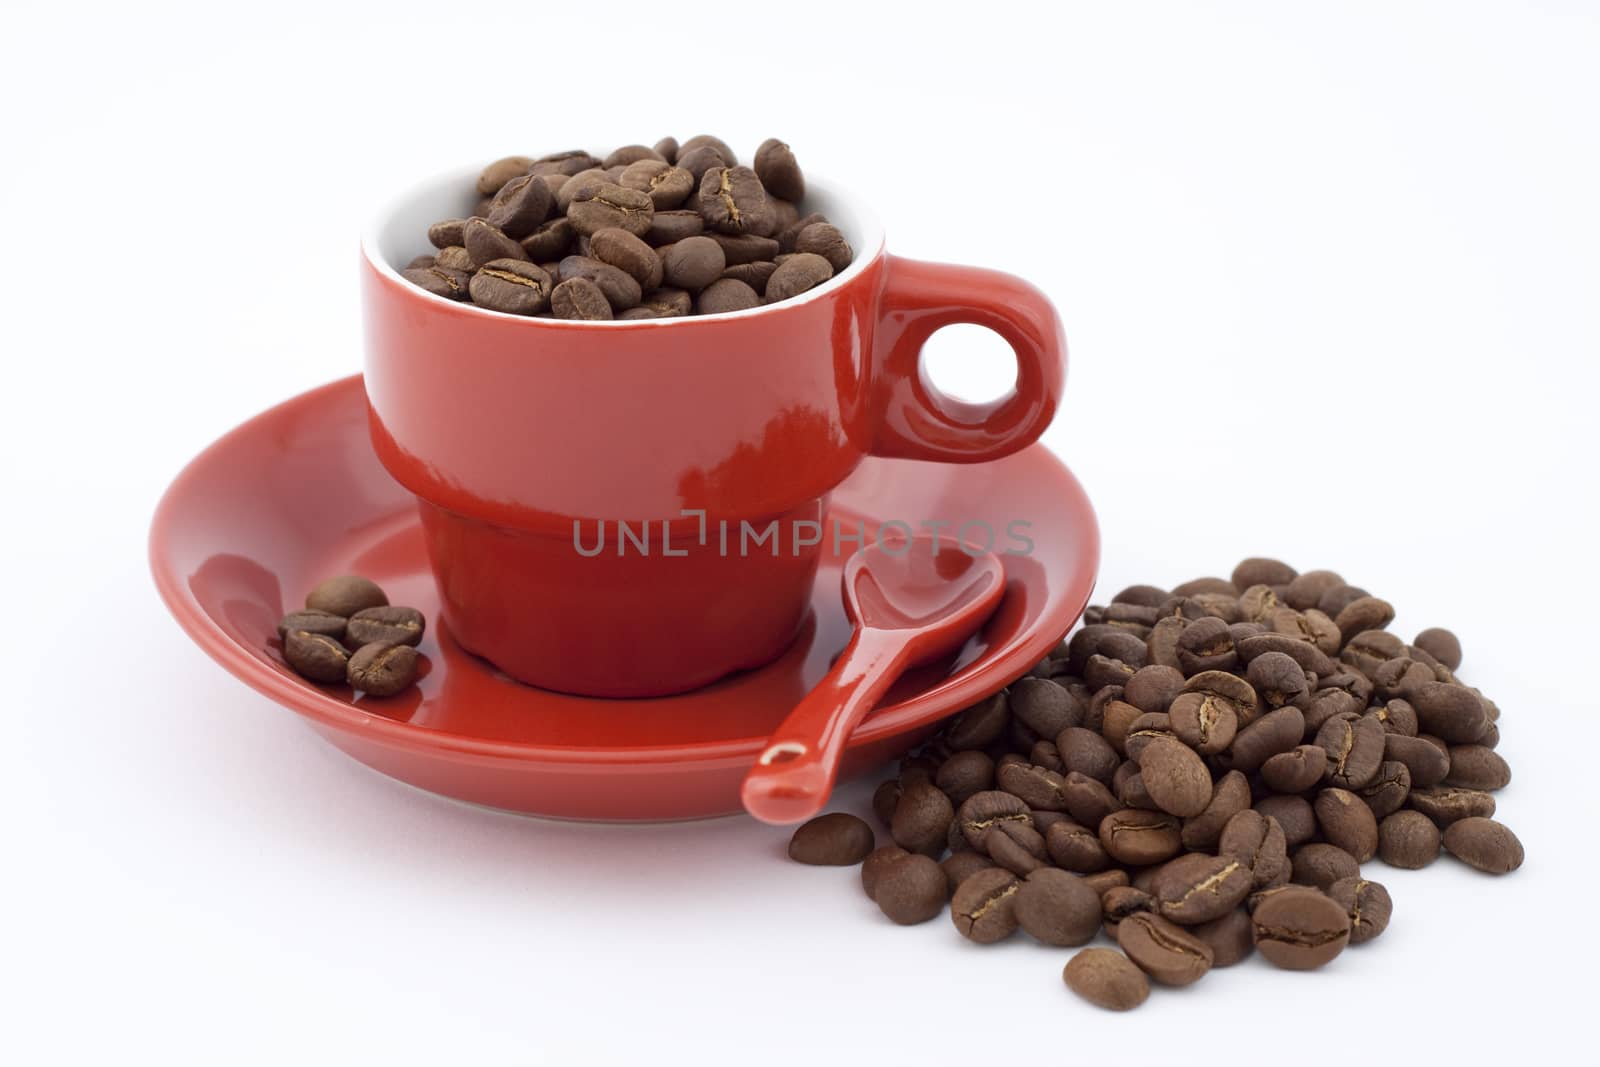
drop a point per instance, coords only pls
(911, 602)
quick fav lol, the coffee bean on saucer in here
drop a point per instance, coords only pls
(1366, 903)
(346, 595)
(1489, 846)
(1300, 928)
(316, 656)
(910, 890)
(1107, 979)
(837, 839)
(579, 298)
(382, 670)
(386, 625)
(984, 907)
(312, 621)
(511, 286)
(803, 271)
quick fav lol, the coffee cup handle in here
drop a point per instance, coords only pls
(918, 421)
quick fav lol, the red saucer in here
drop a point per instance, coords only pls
(295, 495)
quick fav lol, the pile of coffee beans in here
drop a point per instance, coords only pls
(642, 233)
(1199, 772)
(349, 633)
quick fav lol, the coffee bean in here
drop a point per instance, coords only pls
(631, 153)
(455, 258)
(1442, 645)
(316, 656)
(440, 281)
(1305, 590)
(1300, 929)
(1366, 903)
(837, 839)
(1106, 979)
(1261, 571)
(619, 287)
(984, 906)
(965, 773)
(1336, 598)
(1045, 707)
(346, 595)
(1204, 721)
(624, 251)
(1074, 847)
(486, 243)
(1278, 679)
(1257, 842)
(1347, 823)
(693, 263)
(1408, 839)
(1295, 771)
(382, 670)
(1229, 796)
(1276, 731)
(884, 800)
(1154, 687)
(312, 621)
(779, 173)
(1196, 888)
(982, 811)
(1206, 645)
(754, 275)
(570, 161)
(1103, 881)
(579, 298)
(1448, 804)
(1355, 747)
(726, 294)
(921, 818)
(699, 159)
(1057, 908)
(960, 866)
(666, 186)
(1368, 651)
(1307, 655)
(980, 725)
(1364, 613)
(1451, 712)
(1038, 787)
(511, 286)
(1294, 814)
(1165, 951)
(1086, 752)
(825, 240)
(1427, 763)
(803, 271)
(910, 890)
(501, 171)
(1015, 845)
(875, 864)
(1176, 778)
(385, 625)
(421, 262)
(1477, 767)
(447, 233)
(519, 207)
(1140, 838)
(1480, 842)
(601, 205)
(733, 201)
(1387, 791)
(1230, 937)
(1321, 865)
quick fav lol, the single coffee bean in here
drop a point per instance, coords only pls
(959, 866)
(1038, 787)
(421, 262)
(754, 275)
(385, 625)
(512, 286)
(1480, 842)
(698, 160)
(1074, 847)
(620, 289)
(1442, 645)
(779, 173)
(1370, 650)
(1106, 979)
(1276, 731)
(579, 298)
(1355, 748)
(316, 656)
(1397, 717)
(455, 258)
(733, 201)
(1261, 571)
(1231, 937)
(1300, 928)
(1229, 796)
(693, 263)
(1399, 676)
(1088, 801)
(1103, 881)
(346, 595)
(1119, 902)
(501, 171)
(1451, 712)
(1140, 838)
(825, 240)
(1257, 841)
(1294, 815)
(984, 907)
(1145, 729)
(1366, 903)
(1206, 645)
(875, 864)
(1154, 687)
(910, 890)
(1320, 865)
(624, 251)
(1057, 908)
(965, 773)
(520, 206)
(1086, 752)
(726, 294)
(439, 280)
(1408, 839)
(884, 800)
(1347, 823)
(670, 227)
(1196, 888)
(1278, 679)
(1387, 791)
(1204, 721)
(982, 811)
(1309, 656)
(1364, 613)
(1448, 804)
(980, 725)
(1295, 771)
(382, 670)
(600, 205)
(312, 621)
(1336, 598)
(804, 271)
(1175, 776)
(666, 186)
(1305, 590)
(1477, 767)
(447, 233)
(486, 243)
(1045, 707)
(572, 161)
(1427, 764)
(837, 839)
(1165, 951)
(921, 818)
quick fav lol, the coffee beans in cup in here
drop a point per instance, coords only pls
(644, 232)
(1199, 774)
(349, 633)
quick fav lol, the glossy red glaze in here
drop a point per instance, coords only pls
(523, 437)
(297, 494)
(912, 603)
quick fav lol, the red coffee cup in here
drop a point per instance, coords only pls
(527, 442)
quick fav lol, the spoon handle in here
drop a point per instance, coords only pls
(794, 774)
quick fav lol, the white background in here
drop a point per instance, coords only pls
(1329, 274)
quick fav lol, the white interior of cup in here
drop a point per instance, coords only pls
(399, 234)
